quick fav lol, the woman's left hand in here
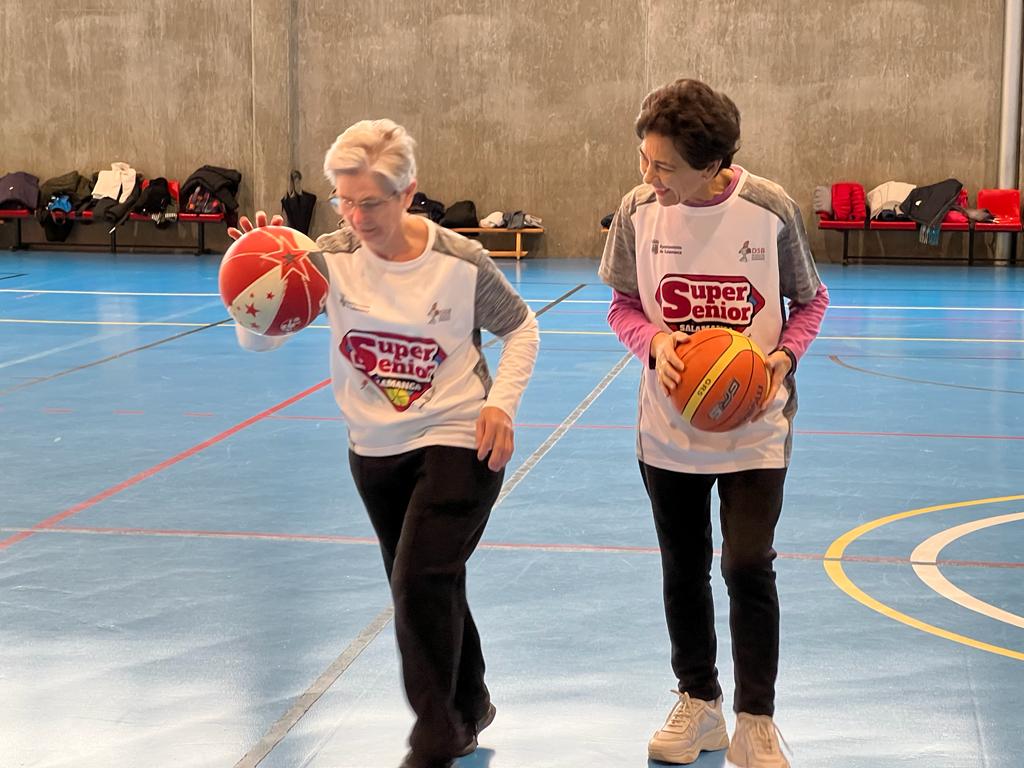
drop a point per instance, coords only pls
(779, 366)
(244, 225)
(494, 436)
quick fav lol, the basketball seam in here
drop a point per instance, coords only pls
(736, 345)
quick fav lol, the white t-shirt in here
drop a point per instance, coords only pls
(406, 362)
(727, 265)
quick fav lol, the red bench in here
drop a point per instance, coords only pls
(86, 217)
(1004, 204)
(16, 215)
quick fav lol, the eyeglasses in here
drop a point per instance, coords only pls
(368, 206)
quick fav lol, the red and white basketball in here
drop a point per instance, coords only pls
(268, 282)
(724, 381)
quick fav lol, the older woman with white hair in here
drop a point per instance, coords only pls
(430, 431)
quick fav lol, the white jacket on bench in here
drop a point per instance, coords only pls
(116, 183)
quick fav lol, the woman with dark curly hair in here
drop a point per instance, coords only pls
(705, 243)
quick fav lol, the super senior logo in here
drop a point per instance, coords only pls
(691, 302)
(402, 367)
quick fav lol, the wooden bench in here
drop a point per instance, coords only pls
(1003, 204)
(518, 252)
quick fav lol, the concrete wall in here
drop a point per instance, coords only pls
(515, 105)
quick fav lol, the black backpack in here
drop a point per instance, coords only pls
(424, 206)
(155, 198)
(461, 214)
(59, 197)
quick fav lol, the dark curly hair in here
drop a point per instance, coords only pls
(703, 124)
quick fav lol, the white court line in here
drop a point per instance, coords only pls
(102, 293)
(95, 339)
(277, 732)
(29, 291)
(938, 340)
(926, 554)
(562, 428)
(927, 309)
(115, 322)
(922, 338)
(866, 307)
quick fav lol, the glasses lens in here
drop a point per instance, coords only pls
(368, 206)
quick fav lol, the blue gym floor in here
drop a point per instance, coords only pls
(187, 577)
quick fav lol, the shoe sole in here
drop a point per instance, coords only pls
(482, 723)
(685, 758)
(730, 762)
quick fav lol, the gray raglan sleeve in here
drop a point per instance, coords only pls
(618, 262)
(499, 309)
(798, 276)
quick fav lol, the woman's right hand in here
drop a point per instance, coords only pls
(667, 365)
(244, 225)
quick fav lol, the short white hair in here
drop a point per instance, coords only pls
(380, 146)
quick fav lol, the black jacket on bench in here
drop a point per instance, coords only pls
(929, 205)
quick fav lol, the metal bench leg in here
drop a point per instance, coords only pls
(17, 235)
(519, 245)
(970, 244)
(201, 239)
(846, 245)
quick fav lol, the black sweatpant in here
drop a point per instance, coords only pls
(750, 505)
(429, 508)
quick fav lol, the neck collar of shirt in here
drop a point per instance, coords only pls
(724, 195)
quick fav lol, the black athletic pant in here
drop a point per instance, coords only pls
(429, 508)
(750, 505)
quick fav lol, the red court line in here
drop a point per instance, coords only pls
(818, 432)
(330, 538)
(577, 426)
(52, 521)
(309, 418)
(327, 538)
(839, 433)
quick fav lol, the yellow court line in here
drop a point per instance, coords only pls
(926, 554)
(834, 569)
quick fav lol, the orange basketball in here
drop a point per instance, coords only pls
(724, 382)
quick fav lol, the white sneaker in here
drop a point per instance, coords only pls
(693, 726)
(755, 743)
